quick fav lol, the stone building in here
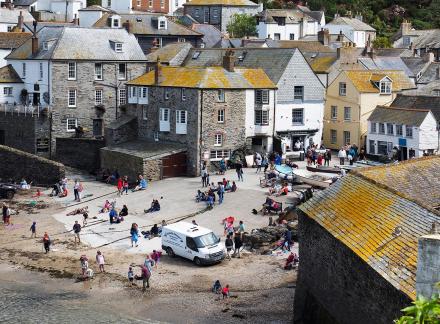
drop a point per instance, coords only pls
(364, 256)
(152, 31)
(205, 110)
(79, 76)
(219, 12)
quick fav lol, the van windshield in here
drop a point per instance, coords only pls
(206, 240)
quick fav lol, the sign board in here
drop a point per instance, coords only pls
(402, 141)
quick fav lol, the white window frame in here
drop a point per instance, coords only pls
(385, 87)
(373, 127)
(342, 89)
(124, 77)
(164, 119)
(115, 23)
(162, 4)
(262, 96)
(263, 116)
(162, 23)
(144, 112)
(347, 113)
(181, 40)
(217, 155)
(181, 126)
(183, 94)
(23, 70)
(150, 3)
(334, 112)
(99, 96)
(166, 93)
(8, 91)
(69, 129)
(71, 70)
(122, 96)
(144, 92)
(295, 88)
(99, 75)
(133, 92)
(388, 129)
(302, 115)
(69, 97)
(119, 47)
(41, 76)
(399, 130)
(218, 139)
(221, 116)
(345, 137)
(220, 95)
(381, 128)
(409, 131)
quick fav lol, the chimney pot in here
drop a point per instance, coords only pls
(228, 61)
(35, 45)
(157, 72)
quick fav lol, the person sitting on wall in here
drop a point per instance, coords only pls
(142, 184)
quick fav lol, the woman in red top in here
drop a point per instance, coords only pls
(225, 292)
(320, 159)
(119, 186)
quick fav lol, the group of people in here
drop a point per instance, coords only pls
(209, 196)
(351, 153)
(154, 207)
(261, 161)
(315, 156)
(87, 272)
(218, 289)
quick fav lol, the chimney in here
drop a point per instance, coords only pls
(157, 72)
(347, 54)
(228, 61)
(437, 73)
(428, 264)
(337, 15)
(324, 36)
(405, 27)
(428, 57)
(340, 37)
(359, 17)
(8, 4)
(126, 25)
(35, 39)
(20, 21)
(76, 20)
(349, 15)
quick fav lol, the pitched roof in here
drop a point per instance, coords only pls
(207, 78)
(20, 3)
(273, 61)
(293, 16)
(322, 64)
(41, 24)
(362, 80)
(385, 63)
(146, 24)
(427, 38)
(211, 35)
(303, 46)
(10, 16)
(230, 3)
(377, 214)
(415, 64)
(430, 74)
(353, 22)
(431, 103)
(95, 8)
(10, 40)
(172, 54)
(9, 75)
(399, 116)
(75, 43)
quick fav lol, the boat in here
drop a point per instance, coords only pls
(369, 163)
(284, 172)
(324, 169)
(314, 179)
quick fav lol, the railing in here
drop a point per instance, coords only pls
(33, 111)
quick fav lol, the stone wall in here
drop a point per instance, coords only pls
(152, 169)
(15, 164)
(336, 286)
(85, 85)
(80, 153)
(150, 126)
(198, 14)
(122, 130)
(22, 131)
(126, 164)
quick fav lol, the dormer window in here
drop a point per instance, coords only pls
(45, 46)
(118, 47)
(162, 23)
(385, 87)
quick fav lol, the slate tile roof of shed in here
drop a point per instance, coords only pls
(385, 63)
(293, 16)
(9, 75)
(10, 16)
(419, 102)
(399, 116)
(169, 53)
(10, 40)
(220, 3)
(362, 80)
(207, 78)
(322, 64)
(377, 222)
(353, 22)
(430, 74)
(303, 46)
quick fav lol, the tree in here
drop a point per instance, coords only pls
(93, 2)
(382, 42)
(242, 25)
(423, 311)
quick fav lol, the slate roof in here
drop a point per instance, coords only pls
(431, 103)
(322, 64)
(10, 16)
(391, 51)
(273, 61)
(94, 8)
(427, 38)
(41, 24)
(293, 16)
(376, 212)
(430, 74)
(24, 3)
(385, 63)
(415, 64)
(75, 43)
(9, 75)
(362, 80)
(207, 78)
(211, 34)
(399, 116)
(228, 3)
(171, 54)
(317, 15)
(303, 46)
(142, 24)
(10, 40)
(353, 22)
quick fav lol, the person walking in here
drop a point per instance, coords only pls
(46, 242)
(265, 163)
(241, 229)
(76, 229)
(229, 244)
(134, 234)
(204, 175)
(6, 215)
(119, 187)
(125, 185)
(342, 155)
(146, 274)
(237, 244)
(100, 261)
(76, 190)
(239, 170)
(288, 239)
(33, 229)
(85, 217)
(327, 157)
(220, 192)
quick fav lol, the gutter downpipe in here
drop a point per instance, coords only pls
(201, 130)
(274, 119)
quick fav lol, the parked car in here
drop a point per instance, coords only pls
(7, 190)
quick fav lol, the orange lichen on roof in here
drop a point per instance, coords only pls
(206, 78)
(220, 3)
(322, 64)
(363, 79)
(377, 77)
(378, 225)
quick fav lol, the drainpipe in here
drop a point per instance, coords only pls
(274, 118)
(201, 128)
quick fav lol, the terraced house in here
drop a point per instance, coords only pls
(79, 76)
(209, 111)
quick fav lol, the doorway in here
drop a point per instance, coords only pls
(97, 127)
(404, 153)
(36, 99)
(206, 16)
(2, 137)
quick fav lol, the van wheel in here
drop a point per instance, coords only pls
(197, 261)
(9, 194)
(170, 252)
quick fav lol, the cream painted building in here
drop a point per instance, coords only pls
(351, 98)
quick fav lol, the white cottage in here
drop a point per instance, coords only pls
(412, 132)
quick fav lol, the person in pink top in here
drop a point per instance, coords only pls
(100, 261)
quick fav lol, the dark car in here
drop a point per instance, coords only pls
(7, 190)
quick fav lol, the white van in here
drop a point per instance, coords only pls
(192, 242)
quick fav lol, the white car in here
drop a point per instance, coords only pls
(192, 242)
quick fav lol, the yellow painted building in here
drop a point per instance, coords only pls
(351, 98)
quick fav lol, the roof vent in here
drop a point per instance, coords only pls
(138, 19)
(196, 55)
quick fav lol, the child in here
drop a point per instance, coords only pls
(125, 185)
(85, 216)
(225, 292)
(130, 275)
(119, 187)
(156, 257)
(34, 229)
(217, 287)
(100, 261)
